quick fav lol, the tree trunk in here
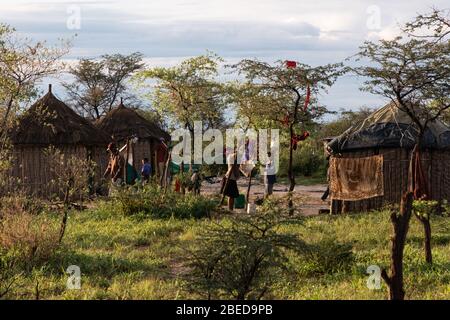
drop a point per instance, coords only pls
(400, 223)
(427, 231)
(291, 171)
(62, 229)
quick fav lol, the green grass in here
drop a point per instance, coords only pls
(124, 258)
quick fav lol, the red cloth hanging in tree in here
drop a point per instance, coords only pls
(297, 138)
(177, 185)
(308, 96)
(421, 183)
(285, 121)
(291, 64)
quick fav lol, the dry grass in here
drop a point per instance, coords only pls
(31, 238)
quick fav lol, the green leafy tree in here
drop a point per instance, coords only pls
(23, 63)
(344, 120)
(282, 95)
(98, 84)
(187, 93)
(414, 73)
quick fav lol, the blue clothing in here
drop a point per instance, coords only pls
(146, 170)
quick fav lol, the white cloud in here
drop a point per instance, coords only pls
(316, 32)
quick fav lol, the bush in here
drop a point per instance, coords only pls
(153, 202)
(30, 239)
(308, 160)
(243, 258)
(21, 203)
(327, 257)
(425, 208)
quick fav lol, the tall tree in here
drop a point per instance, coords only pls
(287, 89)
(23, 63)
(97, 84)
(414, 73)
(188, 92)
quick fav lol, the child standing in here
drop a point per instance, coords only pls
(146, 170)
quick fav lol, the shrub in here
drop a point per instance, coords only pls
(29, 239)
(308, 160)
(328, 256)
(153, 202)
(241, 259)
(425, 208)
(21, 203)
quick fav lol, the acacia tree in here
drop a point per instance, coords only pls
(23, 63)
(287, 89)
(98, 83)
(188, 92)
(415, 74)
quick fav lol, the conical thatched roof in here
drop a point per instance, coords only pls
(390, 127)
(123, 122)
(50, 121)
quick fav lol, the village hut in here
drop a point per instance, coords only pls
(369, 162)
(50, 122)
(123, 123)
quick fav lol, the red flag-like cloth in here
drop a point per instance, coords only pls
(291, 64)
(296, 138)
(421, 184)
(308, 96)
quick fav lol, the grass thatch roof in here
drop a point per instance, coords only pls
(123, 122)
(50, 121)
(390, 127)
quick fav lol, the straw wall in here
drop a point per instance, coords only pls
(436, 165)
(32, 174)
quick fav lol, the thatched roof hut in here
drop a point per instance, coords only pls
(50, 122)
(390, 133)
(122, 123)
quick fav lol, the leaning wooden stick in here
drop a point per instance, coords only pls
(166, 170)
(223, 190)
(247, 198)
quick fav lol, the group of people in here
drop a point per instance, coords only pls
(116, 170)
(117, 166)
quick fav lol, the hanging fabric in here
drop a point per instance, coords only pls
(291, 64)
(285, 121)
(308, 96)
(356, 178)
(421, 183)
(297, 138)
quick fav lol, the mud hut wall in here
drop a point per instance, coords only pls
(142, 149)
(395, 170)
(31, 170)
(101, 158)
(440, 175)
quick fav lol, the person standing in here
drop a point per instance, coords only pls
(269, 176)
(230, 180)
(146, 170)
(116, 165)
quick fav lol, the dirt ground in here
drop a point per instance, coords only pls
(306, 198)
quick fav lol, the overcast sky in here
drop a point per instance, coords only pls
(165, 31)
